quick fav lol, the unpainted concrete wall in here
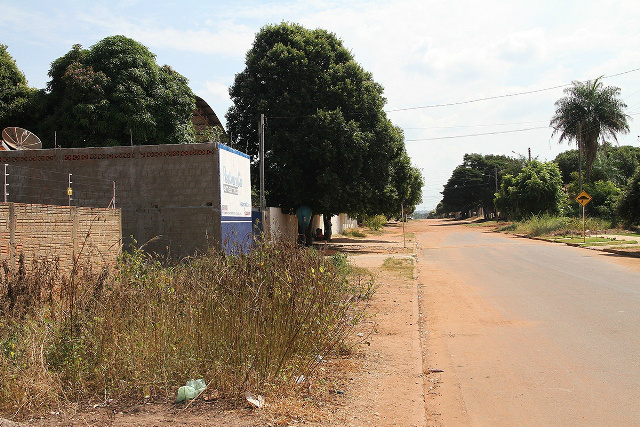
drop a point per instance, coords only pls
(169, 194)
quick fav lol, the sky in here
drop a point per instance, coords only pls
(438, 61)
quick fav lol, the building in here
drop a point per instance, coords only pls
(175, 199)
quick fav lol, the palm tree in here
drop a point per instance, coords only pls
(587, 114)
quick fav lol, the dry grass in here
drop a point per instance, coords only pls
(243, 323)
(400, 266)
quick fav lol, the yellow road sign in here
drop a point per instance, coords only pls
(583, 198)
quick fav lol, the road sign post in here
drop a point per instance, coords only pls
(583, 198)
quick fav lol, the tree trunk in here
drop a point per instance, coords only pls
(327, 226)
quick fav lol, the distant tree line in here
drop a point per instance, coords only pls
(591, 115)
(526, 188)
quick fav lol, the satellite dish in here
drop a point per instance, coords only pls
(20, 139)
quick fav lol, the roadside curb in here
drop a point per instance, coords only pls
(577, 245)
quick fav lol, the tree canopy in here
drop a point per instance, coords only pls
(472, 184)
(111, 94)
(587, 114)
(15, 93)
(612, 169)
(535, 190)
(328, 143)
(629, 205)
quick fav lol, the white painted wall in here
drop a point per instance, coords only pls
(278, 224)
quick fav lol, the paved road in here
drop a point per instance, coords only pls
(528, 333)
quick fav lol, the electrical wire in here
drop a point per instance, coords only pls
(488, 98)
(476, 126)
(477, 134)
(100, 184)
(489, 133)
(450, 104)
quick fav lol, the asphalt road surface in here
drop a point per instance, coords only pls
(528, 333)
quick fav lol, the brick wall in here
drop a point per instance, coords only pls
(43, 231)
(169, 194)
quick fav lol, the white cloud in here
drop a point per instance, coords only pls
(217, 90)
(225, 38)
(522, 47)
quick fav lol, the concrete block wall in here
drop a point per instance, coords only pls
(169, 194)
(47, 232)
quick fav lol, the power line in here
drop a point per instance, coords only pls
(477, 134)
(619, 74)
(476, 126)
(488, 133)
(449, 104)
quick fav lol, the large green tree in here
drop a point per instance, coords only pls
(472, 184)
(15, 93)
(587, 114)
(328, 142)
(114, 93)
(535, 190)
(462, 192)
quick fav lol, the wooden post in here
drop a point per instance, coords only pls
(404, 238)
(12, 235)
(262, 199)
(584, 226)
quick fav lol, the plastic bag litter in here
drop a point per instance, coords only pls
(257, 401)
(191, 390)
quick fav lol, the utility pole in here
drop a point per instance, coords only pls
(496, 180)
(529, 154)
(261, 134)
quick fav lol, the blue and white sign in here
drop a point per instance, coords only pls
(235, 198)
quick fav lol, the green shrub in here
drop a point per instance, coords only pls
(534, 191)
(375, 222)
(604, 198)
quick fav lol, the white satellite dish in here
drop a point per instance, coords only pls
(20, 139)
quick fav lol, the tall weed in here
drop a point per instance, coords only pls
(243, 322)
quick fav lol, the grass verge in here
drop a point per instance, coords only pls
(401, 266)
(546, 225)
(353, 232)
